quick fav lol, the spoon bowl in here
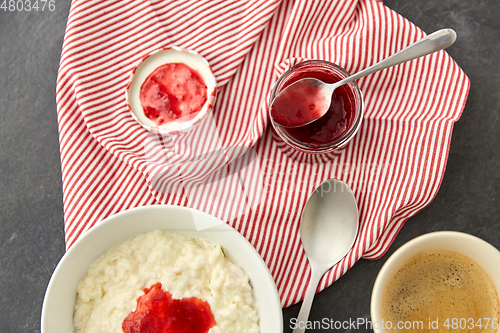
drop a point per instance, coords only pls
(328, 230)
(309, 99)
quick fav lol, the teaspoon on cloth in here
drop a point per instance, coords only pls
(308, 99)
(328, 229)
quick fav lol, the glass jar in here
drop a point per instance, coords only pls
(337, 127)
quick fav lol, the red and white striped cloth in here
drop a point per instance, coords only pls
(395, 164)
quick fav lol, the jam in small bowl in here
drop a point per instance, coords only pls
(340, 123)
(171, 90)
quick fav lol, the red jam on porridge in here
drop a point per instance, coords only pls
(157, 312)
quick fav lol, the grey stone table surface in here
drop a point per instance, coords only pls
(31, 202)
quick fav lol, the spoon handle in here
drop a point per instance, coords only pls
(436, 41)
(300, 325)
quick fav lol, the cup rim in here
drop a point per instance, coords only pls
(153, 60)
(440, 240)
(327, 147)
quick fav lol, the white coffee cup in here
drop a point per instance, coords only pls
(480, 251)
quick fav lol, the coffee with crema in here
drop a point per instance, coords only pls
(440, 291)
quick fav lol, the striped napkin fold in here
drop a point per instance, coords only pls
(233, 166)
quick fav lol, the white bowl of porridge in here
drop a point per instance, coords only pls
(183, 255)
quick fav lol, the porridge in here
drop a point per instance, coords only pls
(166, 271)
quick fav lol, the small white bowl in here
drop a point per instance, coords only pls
(156, 59)
(60, 297)
(480, 251)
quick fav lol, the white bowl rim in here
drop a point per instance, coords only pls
(270, 311)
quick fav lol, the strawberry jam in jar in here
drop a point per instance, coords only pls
(339, 124)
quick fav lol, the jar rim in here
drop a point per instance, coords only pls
(345, 137)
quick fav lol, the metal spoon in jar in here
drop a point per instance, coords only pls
(328, 229)
(309, 99)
